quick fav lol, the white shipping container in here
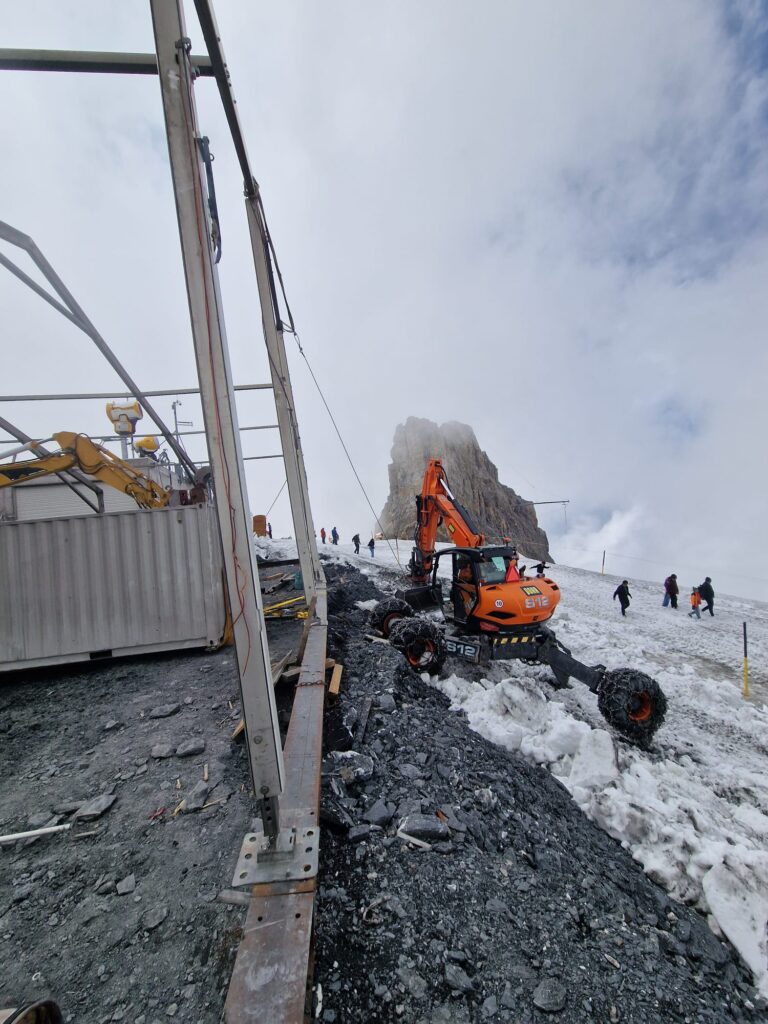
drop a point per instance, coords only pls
(90, 586)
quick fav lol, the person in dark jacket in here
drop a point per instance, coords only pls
(624, 596)
(540, 569)
(671, 590)
(356, 542)
(708, 595)
(371, 546)
(334, 536)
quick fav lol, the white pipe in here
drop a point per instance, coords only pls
(14, 837)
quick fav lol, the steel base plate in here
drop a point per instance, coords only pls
(294, 856)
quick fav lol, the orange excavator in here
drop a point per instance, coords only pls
(494, 612)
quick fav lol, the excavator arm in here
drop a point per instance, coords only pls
(78, 452)
(436, 506)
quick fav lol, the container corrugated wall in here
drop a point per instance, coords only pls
(53, 500)
(128, 582)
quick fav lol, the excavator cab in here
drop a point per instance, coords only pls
(487, 593)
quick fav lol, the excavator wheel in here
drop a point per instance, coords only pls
(387, 613)
(422, 643)
(632, 703)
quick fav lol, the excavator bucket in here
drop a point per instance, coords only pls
(422, 597)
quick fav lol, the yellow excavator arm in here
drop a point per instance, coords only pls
(80, 452)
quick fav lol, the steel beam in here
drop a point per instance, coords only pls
(74, 312)
(219, 412)
(181, 433)
(295, 472)
(122, 394)
(303, 526)
(88, 60)
(269, 978)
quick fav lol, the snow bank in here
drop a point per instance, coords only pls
(694, 810)
(276, 548)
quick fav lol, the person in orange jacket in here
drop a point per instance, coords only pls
(695, 604)
(322, 534)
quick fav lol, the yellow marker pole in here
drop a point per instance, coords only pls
(745, 690)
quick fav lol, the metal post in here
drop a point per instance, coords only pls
(745, 688)
(273, 336)
(303, 526)
(217, 397)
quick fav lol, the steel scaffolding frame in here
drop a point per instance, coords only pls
(286, 782)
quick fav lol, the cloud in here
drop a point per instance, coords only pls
(548, 223)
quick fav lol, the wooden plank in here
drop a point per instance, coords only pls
(335, 683)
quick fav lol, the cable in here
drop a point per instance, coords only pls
(285, 482)
(343, 445)
(653, 561)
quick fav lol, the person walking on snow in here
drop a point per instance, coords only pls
(371, 546)
(269, 530)
(695, 602)
(624, 596)
(356, 542)
(322, 534)
(335, 535)
(708, 595)
(671, 590)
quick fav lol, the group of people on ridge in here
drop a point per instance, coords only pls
(704, 592)
(355, 540)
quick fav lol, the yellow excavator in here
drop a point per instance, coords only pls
(78, 451)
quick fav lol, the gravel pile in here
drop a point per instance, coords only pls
(126, 924)
(506, 903)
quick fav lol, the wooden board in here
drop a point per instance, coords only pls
(335, 683)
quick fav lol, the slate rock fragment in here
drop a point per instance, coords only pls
(427, 827)
(190, 748)
(94, 809)
(164, 710)
(549, 995)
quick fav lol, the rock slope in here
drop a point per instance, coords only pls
(474, 479)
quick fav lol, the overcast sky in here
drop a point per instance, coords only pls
(548, 221)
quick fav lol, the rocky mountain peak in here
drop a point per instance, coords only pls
(473, 478)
